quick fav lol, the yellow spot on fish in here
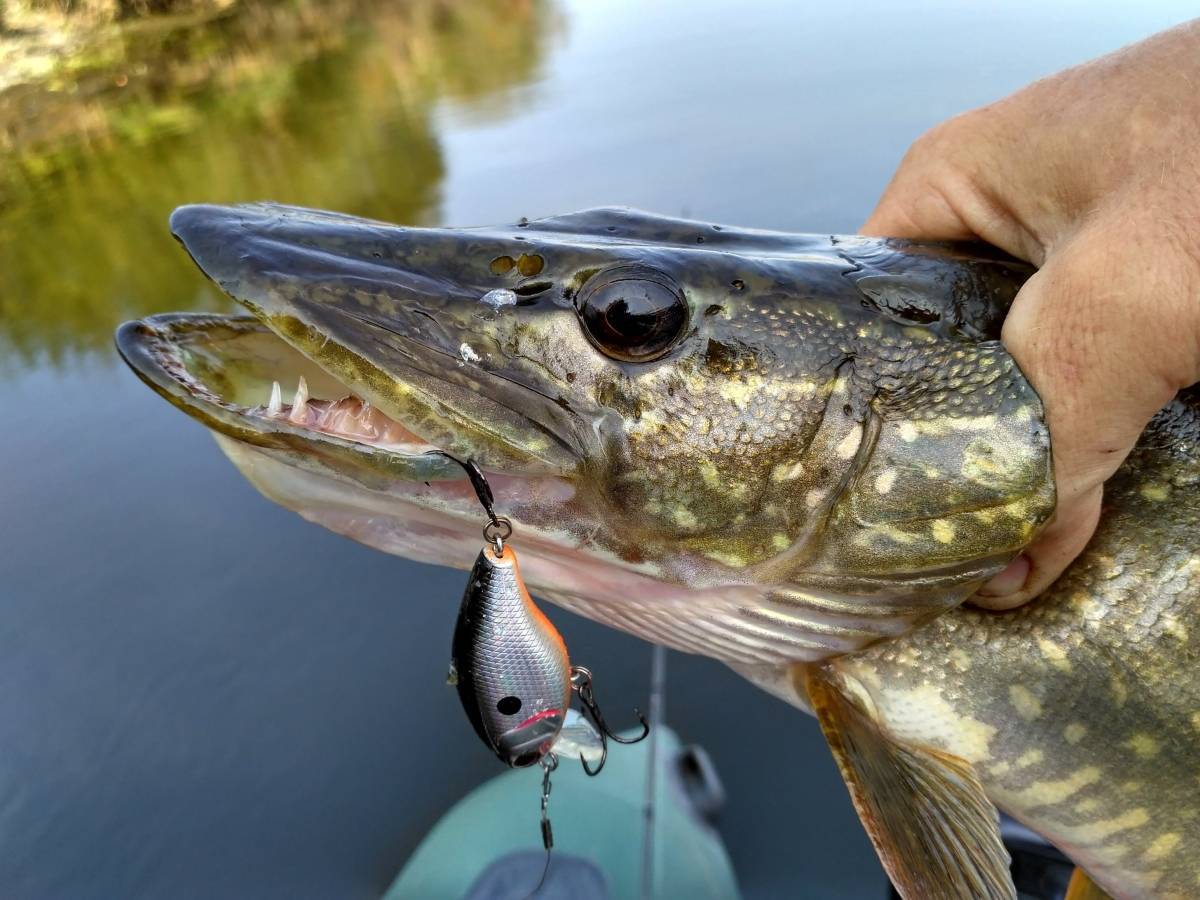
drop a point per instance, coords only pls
(1029, 758)
(1131, 787)
(886, 531)
(1163, 845)
(740, 393)
(986, 516)
(1091, 804)
(684, 517)
(1098, 831)
(728, 559)
(848, 446)
(984, 464)
(1000, 768)
(1156, 492)
(885, 480)
(922, 715)
(787, 471)
(1055, 654)
(1196, 720)
(972, 423)
(781, 541)
(961, 660)
(908, 432)
(924, 335)
(1047, 793)
(943, 531)
(708, 472)
(814, 497)
(1028, 706)
(1074, 732)
(932, 474)
(1175, 628)
(1143, 745)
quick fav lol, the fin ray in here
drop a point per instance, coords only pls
(936, 833)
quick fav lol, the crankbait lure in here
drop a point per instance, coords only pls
(512, 671)
(511, 668)
(509, 663)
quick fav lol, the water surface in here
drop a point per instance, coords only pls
(200, 694)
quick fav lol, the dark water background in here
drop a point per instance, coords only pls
(200, 694)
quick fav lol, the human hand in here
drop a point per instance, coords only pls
(1093, 175)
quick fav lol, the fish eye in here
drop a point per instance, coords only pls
(509, 706)
(632, 313)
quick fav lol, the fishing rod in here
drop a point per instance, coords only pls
(658, 681)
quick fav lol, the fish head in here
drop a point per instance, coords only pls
(755, 445)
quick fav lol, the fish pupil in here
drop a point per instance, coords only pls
(509, 706)
(632, 313)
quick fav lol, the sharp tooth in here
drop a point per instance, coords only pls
(299, 411)
(276, 402)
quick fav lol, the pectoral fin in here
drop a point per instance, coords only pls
(936, 833)
(1083, 888)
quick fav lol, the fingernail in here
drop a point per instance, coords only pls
(1008, 581)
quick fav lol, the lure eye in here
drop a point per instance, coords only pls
(632, 313)
(509, 706)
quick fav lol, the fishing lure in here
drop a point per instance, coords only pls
(509, 663)
(511, 668)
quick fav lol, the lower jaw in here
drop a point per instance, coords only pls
(441, 524)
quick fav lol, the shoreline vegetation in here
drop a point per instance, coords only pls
(326, 103)
(37, 36)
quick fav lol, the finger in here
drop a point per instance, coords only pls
(1037, 568)
(943, 189)
(1100, 379)
(917, 202)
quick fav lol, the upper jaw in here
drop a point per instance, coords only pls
(361, 301)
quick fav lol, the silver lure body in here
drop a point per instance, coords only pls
(512, 671)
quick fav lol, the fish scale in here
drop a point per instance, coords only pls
(1081, 711)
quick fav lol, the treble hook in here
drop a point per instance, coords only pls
(581, 681)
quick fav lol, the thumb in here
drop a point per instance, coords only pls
(1073, 331)
(939, 192)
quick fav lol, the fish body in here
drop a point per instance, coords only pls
(509, 663)
(1081, 711)
(798, 454)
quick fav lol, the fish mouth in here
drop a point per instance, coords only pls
(228, 371)
(418, 360)
(351, 371)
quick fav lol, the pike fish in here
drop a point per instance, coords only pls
(796, 454)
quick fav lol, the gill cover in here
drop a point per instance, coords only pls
(510, 664)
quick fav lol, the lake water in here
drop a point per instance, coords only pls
(200, 694)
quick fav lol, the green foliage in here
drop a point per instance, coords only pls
(316, 104)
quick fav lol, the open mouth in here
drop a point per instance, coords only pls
(229, 372)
